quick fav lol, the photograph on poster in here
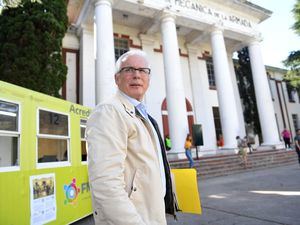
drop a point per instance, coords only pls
(42, 198)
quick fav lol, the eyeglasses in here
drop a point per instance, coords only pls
(131, 70)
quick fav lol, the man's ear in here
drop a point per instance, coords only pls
(116, 78)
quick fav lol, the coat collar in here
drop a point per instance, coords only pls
(128, 106)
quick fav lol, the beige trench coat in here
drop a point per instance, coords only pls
(123, 166)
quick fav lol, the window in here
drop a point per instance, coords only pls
(9, 134)
(121, 46)
(53, 136)
(291, 91)
(210, 73)
(217, 119)
(83, 140)
(295, 121)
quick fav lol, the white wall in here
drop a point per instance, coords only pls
(157, 91)
(87, 69)
(71, 62)
(288, 108)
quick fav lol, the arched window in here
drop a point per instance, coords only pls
(164, 112)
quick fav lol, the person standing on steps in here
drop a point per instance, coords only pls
(286, 135)
(188, 149)
(168, 143)
(242, 145)
(297, 144)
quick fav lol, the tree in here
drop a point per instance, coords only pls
(293, 60)
(30, 44)
(293, 75)
(11, 3)
(246, 90)
(296, 12)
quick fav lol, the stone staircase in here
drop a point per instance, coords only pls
(222, 165)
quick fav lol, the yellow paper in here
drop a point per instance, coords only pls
(186, 189)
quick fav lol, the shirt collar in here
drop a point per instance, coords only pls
(133, 101)
(140, 106)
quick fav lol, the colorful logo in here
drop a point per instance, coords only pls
(71, 192)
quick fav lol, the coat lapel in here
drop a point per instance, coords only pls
(169, 197)
(128, 107)
(133, 112)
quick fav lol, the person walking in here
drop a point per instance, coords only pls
(286, 135)
(242, 145)
(188, 149)
(129, 174)
(297, 144)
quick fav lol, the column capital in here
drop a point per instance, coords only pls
(255, 39)
(217, 27)
(103, 2)
(167, 15)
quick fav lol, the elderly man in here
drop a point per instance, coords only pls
(128, 169)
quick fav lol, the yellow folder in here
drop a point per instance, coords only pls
(186, 189)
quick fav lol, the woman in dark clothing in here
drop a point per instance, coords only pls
(297, 144)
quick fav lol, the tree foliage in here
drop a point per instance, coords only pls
(293, 60)
(30, 44)
(246, 90)
(296, 12)
(11, 3)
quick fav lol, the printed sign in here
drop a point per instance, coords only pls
(42, 198)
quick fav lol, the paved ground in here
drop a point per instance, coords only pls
(266, 197)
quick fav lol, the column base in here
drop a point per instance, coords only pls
(180, 155)
(176, 156)
(266, 146)
(227, 151)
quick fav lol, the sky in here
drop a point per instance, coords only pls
(278, 37)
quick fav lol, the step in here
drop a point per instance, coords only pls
(222, 165)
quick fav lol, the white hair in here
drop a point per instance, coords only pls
(124, 57)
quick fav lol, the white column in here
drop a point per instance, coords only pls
(241, 121)
(203, 111)
(148, 46)
(263, 96)
(227, 105)
(177, 114)
(152, 99)
(87, 68)
(105, 57)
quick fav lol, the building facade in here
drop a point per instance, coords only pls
(286, 100)
(190, 44)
